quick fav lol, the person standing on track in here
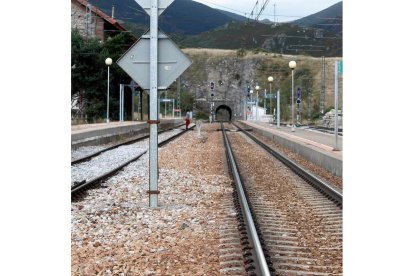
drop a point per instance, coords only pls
(187, 120)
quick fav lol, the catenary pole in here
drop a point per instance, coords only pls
(153, 121)
(336, 106)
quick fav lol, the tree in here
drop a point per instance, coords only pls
(89, 72)
(88, 76)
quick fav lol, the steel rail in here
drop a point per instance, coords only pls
(83, 184)
(328, 189)
(134, 140)
(251, 228)
(91, 182)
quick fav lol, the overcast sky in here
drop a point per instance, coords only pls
(286, 10)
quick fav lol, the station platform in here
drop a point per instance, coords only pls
(102, 133)
(315, 146)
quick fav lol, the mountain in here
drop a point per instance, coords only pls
(194, 25)
(329, 19)
(233, 15)
(283, 39)
(182, 17)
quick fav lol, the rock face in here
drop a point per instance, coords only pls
(235, 72)
(231, 76)
(328, 120)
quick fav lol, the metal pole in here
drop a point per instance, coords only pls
(153, 142)
(322, 101)
(132, 101)
(165, 104)
(141, 94)
(123, 102)
(107, 101)
(120, 102)
(257, 101)
(173, 108)
(264, 102)
(179, 95)
(244, 110)
(270, 92)
(278, 108)
(336, 106)
(293, 106)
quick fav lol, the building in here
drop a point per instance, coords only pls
(92, 22)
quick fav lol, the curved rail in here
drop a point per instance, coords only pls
(264, 269)
(324, 187)
(131, 141)
(83, 185)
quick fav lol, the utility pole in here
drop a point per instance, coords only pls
(179, 94)
(153, 120)
(322, 102)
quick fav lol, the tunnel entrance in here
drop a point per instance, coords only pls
(223, 113)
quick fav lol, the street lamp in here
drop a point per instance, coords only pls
(270, 80)
(257, 99)
(292, 65)
(108, 62)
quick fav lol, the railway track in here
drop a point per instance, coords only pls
(299, 225)
(89, 174)
(124, 143)
(292, 229)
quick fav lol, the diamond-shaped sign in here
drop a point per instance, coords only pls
(172, 62)
(146, 5)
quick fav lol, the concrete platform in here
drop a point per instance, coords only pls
(314, 146)
(98, 134)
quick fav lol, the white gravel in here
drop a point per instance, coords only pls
(114, 232)
(109, 159)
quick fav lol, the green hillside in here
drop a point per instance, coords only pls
(283, 39)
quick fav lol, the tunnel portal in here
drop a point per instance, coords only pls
(223, 113)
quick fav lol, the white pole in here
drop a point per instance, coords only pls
(107, 101)
(244, 110)
(336, 106)
(293, 106)
(120, 102)
(270, 92)
(153, 142)
(165, 104)
(173, 108)
(257, 101)
(123, 102)
(278, 108)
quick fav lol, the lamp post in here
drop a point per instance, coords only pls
(270, 80)
(257, 99)
(108, 62)
(292, 65)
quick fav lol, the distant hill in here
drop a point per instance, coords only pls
(284, 39)
(191, 24)
(182, 17)
(329, 19)
(233, 15)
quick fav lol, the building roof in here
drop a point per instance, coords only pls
(103, 15)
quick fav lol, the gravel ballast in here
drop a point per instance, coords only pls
(114, 232)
